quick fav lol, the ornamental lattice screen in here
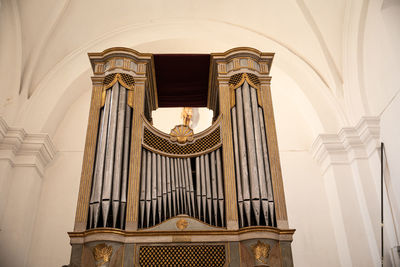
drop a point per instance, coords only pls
(143, 191)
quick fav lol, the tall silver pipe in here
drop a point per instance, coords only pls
(266, 163)
(208, 187)
(182, 186)
(259, 153)
(173, 187)
(251, 153)
(203, 187)
(96, 180)
(220, 187)
(186, 186)
(178, 188)
(214, 186)
(110, 152)
(154, 186)
(244, 174)
(181, 193)
(169, 187)
(159, 187)
(191, 189)
(125, 166)
(198, 187)
(237, 166)
(142, 196)
(164, 187)
(148, 187)
(99, 167)
(119, 150)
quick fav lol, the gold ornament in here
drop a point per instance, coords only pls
(261, 251)
(102, 253)
(182, 134)
(182, 224)
(187, 116)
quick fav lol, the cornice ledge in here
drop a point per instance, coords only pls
(348, 144)
(25, 150)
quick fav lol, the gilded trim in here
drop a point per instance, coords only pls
(88, 159)
(136, 150)
(227, 151)
(252, 229)
(276, 173)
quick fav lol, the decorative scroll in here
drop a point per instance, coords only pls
(253, 178)
(174, 186)
(162, 145)
(197, 255)
(111, 164)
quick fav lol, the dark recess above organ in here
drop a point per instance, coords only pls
(182, 79)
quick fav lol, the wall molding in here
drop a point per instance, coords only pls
(22, 149)
(349, 144)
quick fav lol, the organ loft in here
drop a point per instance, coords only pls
(149, 198)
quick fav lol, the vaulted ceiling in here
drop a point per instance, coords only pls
(317, 45)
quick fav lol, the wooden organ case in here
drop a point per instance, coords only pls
(213, 198)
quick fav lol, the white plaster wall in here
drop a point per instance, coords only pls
(308, 211)
(57, 205)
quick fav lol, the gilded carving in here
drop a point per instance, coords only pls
(261, 251)
(187, 114)
(181, 134)
(102, 253)
(182, 224)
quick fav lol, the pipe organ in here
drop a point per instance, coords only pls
(148, 197)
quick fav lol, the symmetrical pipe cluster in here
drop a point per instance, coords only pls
(173, 186)
(112, 161)
(253, 178)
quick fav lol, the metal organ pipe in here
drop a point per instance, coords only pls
(237, 166)
(198, 187)
(253, 176)
(214, 185)
(119, 149)
(267, 169)
(142, 197)
(159, 187)
(203, 186)
(125, 166)
(99, 167)
(220, 187)
(250, 142)
(169, 186)
(164, 186)
(244, 173)
(259, 153)
(148, 187)
(208, 186)
(191, 189)
(110, 152)
(154, 185)
(112, 160)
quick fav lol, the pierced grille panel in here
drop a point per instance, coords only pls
(237, 78)
(199, 145)
(197, 255)
(126, 78)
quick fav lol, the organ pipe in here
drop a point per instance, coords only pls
(111, 161)
(254, 188)
(182, 193)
